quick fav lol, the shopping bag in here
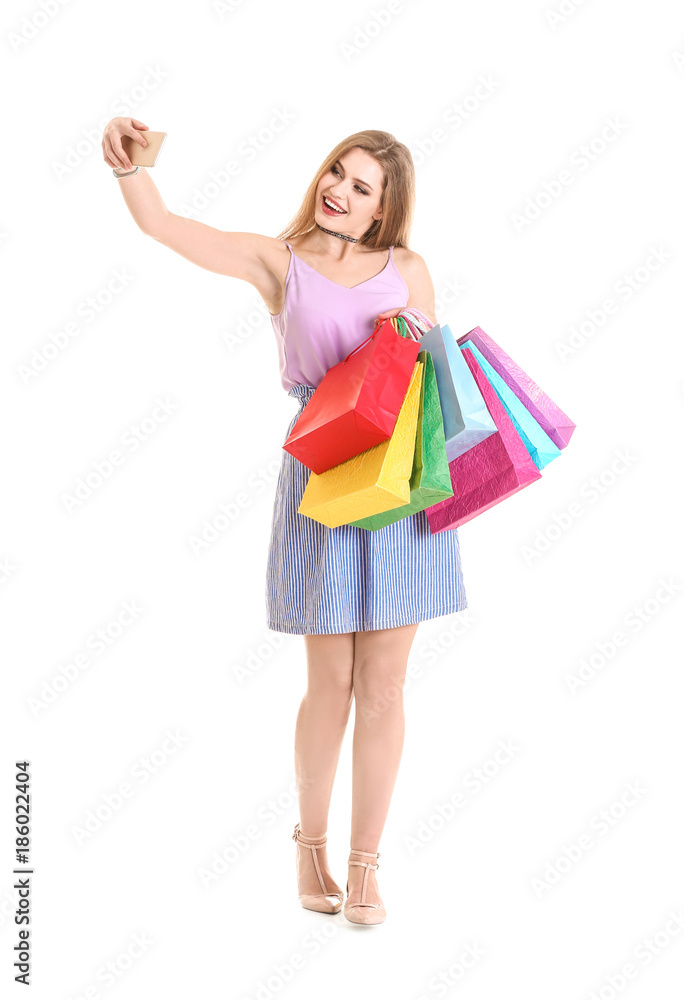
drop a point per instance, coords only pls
(465, 416)
(548, 415)
(539, 445)
(373, 481)
(430, 479)
(493, 469)
(356, 403)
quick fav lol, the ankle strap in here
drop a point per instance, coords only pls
(368, 867)
(365, 854)
(308, 841)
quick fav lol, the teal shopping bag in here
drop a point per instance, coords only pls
(539, 445)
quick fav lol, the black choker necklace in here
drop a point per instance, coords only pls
(352, 239)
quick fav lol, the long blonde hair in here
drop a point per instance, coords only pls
(397, 198)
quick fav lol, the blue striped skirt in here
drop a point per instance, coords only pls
(347, 579)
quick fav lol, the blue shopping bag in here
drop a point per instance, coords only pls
(465, 416)
(540, 447)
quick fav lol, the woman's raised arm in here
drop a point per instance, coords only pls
(249, 256)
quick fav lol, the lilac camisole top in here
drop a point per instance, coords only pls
(322, 321)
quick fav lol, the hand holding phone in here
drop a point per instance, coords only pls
(144, 156)
(127, 142)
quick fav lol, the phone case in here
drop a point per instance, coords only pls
(144, 156)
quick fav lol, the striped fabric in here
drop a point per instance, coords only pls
(323, 580)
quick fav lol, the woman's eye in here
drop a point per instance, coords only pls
(334, 170)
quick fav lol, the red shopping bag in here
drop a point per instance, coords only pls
(490, 471)
(357, 402)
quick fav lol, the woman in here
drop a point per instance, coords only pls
(357, 596)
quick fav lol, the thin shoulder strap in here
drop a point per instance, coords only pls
(287, 244)
(390, 252)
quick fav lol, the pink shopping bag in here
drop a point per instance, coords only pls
(548, 414)
(490, 471)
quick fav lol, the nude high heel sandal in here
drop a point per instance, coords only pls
(323, 902)
(362, 912)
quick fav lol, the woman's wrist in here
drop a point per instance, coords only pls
(126, 173)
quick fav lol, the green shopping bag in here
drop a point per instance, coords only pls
(430, 478)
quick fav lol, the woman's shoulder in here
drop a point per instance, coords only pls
(411, 264)
(416, 275)
(409, 257)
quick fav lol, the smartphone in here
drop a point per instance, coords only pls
(144, 156)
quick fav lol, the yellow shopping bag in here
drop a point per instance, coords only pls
(373, 481)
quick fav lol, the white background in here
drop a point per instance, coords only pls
(198, 660)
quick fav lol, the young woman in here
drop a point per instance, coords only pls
(356, 596)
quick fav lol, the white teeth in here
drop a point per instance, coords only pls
(330, 205)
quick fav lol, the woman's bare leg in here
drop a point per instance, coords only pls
(321, 724)
(380, 659)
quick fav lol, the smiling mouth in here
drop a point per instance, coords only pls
(332, 206)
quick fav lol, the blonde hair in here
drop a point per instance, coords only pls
(398, 191)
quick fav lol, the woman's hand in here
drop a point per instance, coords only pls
(112, 148)
(388, 314)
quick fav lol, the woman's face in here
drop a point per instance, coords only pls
(354, 184)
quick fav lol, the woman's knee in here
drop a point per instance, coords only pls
(334, 688)
(378, 680)
(330, 661)
(380, 660)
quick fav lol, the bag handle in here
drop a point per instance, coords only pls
(369, 337)
(411, 328)
(404, 326)
(419, 318)
(409, 335)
